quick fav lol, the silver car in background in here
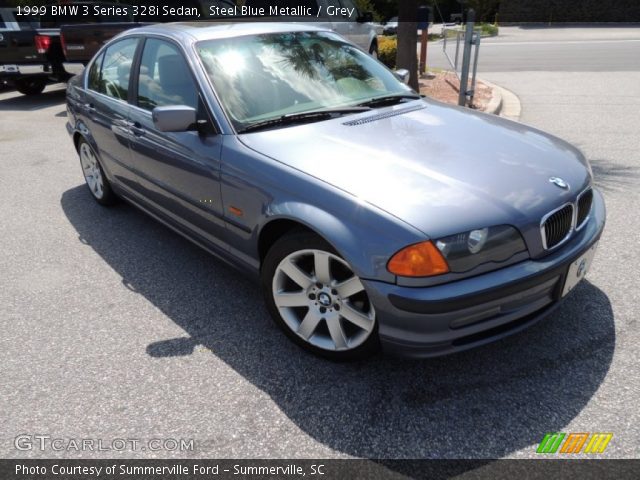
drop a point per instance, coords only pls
(372, 216)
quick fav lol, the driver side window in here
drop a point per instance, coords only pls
(116, 69)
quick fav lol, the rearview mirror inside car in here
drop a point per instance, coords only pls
(174, 118)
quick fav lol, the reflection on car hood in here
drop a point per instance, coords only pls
(439, 168)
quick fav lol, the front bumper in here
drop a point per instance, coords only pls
(442, 319)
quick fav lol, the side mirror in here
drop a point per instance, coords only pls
(174, 118)
(365, 17)
(403, 75)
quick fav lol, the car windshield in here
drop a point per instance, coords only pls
(263, 77)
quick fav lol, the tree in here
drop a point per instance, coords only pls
(407, 55)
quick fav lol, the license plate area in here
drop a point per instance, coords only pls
(578, 269)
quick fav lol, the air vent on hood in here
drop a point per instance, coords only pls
(380, 116)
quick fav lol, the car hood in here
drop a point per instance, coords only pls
(442, 169)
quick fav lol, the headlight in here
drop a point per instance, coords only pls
(418, 260)
(465, 251)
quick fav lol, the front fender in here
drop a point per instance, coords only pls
(365, 239)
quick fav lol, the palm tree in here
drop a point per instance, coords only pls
(406, 56)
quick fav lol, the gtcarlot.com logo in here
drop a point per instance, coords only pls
(44, 443)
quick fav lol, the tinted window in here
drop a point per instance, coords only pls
(116, 68)
(93, 82)
(165, 78)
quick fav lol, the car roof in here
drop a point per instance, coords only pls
(214, 30)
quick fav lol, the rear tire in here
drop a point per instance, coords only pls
(94, 176)
(31, 86)
(316, 299)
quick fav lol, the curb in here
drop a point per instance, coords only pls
(503, 102)
(494, 106)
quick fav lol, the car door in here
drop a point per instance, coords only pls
(106, 108)
(179, 172)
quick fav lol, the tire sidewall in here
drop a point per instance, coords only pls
(31, 86)
(108, 197)
(373, 50)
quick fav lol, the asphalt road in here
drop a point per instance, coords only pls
(569, 49)
(115, 327)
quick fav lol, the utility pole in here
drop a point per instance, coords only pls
(466, 57)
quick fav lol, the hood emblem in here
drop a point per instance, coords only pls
(558, 182)
(1, 37)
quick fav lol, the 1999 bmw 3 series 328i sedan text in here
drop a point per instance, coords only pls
(372, 216)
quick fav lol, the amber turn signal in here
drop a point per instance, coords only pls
(419, 260)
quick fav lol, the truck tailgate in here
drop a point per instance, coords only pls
(81, 42)
(18, 46)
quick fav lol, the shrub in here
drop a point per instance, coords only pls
(488, 29)
(387, 49)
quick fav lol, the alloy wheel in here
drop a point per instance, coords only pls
(91, 171)
(322, 300)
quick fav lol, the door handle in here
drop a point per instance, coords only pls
(136, 129)
(90, 107)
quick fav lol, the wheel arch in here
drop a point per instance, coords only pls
(81, 132)
(341, 237)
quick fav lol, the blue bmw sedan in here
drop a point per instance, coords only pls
(371, 216)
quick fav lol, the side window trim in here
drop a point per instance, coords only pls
(136, 71)
(101, 55)
(98, 58)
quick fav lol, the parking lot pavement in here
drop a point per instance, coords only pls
(115, 327)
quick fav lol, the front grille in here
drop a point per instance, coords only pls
(557, 226)
(584, 207)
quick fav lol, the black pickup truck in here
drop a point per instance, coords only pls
(30, 56)
(38, 50)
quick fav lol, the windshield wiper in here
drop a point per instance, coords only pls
(308, 116)
(390, 99)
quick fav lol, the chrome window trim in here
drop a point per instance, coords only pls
(586, 219)
(85, 80)
(571, 229)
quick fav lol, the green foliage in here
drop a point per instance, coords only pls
(488, 29)
(387, 49)
(368, 6)
(517, 11)
(485, 9)
(386, 8)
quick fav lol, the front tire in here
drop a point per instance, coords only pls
(373, 50)
(94, 176)
(31, 86)
(314, 296)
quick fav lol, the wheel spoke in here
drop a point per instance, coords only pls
(349, 287)
(295, 299)
(296, 274)
(357, 318)
(322, 299)
(308, 325)
(98, 189)
(336, 332)
(321, 266)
